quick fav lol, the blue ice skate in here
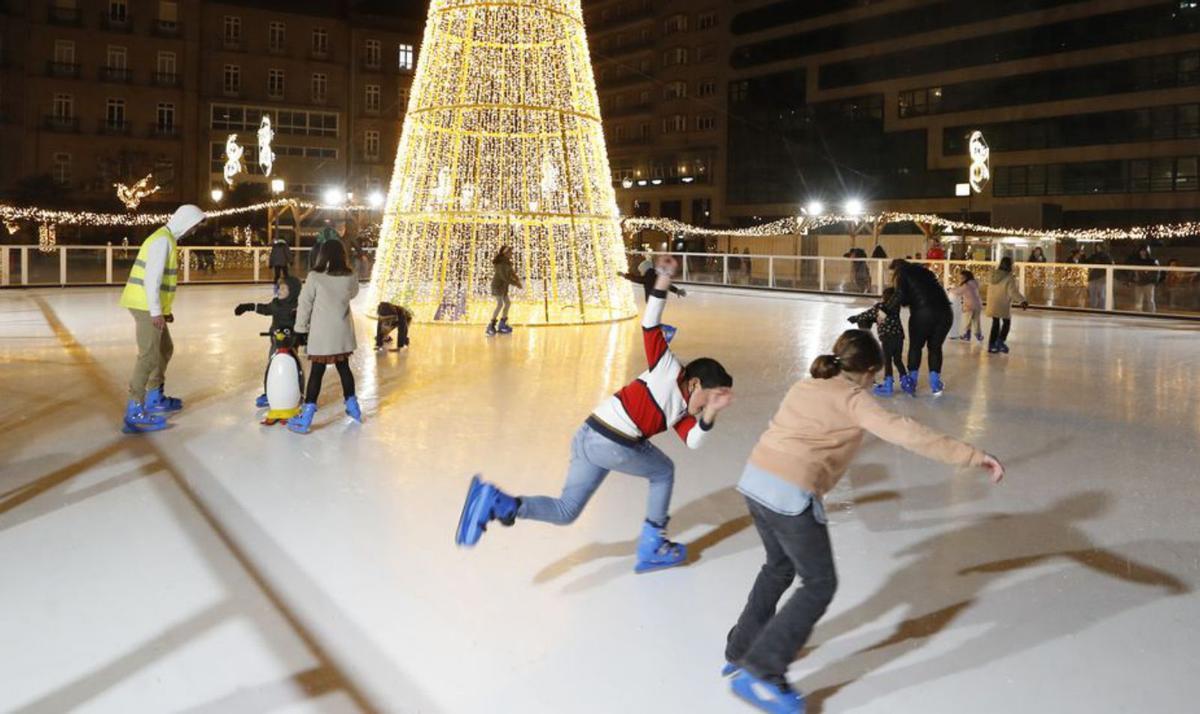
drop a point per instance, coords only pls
(909, 384)
(887, 388)
(655, 552)
(484, 503)
(157, 402)
(730, 668)
(935, 383)
(1002, 347)
(261, 402)
(668, 332)
(302, 422)
(137, 420)
(766, 696)
(503, 327)
(352, 409)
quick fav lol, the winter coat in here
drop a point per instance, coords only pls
(502, 277)
(1100, 258)
(282, 312)
(1001, 294)
(324, 313)
(281, 255)
(919, 290)
(890, 327)
(1143, 277)
(968, 292)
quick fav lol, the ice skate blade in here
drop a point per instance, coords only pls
(460, 534)
(646, 567)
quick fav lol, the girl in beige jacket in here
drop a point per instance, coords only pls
(805, 451)
(324, 315)
(1002, 293)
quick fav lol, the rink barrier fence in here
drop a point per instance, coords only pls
(1046, 285)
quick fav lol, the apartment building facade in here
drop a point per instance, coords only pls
(1091, 109)
(94, 92)
(660, 69)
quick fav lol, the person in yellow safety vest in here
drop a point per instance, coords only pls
(149, 296)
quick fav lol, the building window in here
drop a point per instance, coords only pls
(64, 52)
(919, 102)
(675, 23)
(165, 118)
(619, 133)
(371, 144)
(706, 122)
(674, 123)
(320, 42)
(675, 56)
(62, 169)
(706, 21)
(118, 11)
(739, 91)
(406, 57)
(402, 96)
(237, 117)
(644, 130)
(373, 98)
(117, 57)
(706, 53)
(168, 14)
(1185, 174)
(232, 79)
(373, 54)
(706, 88)
(232, 30)
(675, 90)
(275, 81)
(276, 36)
(166, 69)
(320, 86)
(114, 114)
(64, 107)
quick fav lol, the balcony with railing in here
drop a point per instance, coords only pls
(114, 127)
(319, 55)
(62, 69)
(626, 80)
(121, 75)
(166, 79)
(232, 44)
(116, 23)
(60, 123)
(67, 16)
(277, 49)
(612, 52)
(371, 65)
(164, 131)
(646, 12)
(632, 110)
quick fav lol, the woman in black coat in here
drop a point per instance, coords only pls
(930, 320)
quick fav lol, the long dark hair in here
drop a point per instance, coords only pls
(331, 259)
(856, 352)
(967, 276)
(1005, 264)
(502, 255)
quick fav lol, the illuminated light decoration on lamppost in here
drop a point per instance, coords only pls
(853, 207)
(233, 159)
(626, 182)
(277, 186)
(266, 157)
(981, 155)
(814, 208)
(513, 156)
(132, 196)
(334, 196)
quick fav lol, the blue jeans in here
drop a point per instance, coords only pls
(592, 457)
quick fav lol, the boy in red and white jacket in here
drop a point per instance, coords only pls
(616, 437)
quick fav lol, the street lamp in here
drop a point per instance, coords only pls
(334, 196)
(853, 207)
(375, 199)
(217, 194)
(277, 186)
(814, 208)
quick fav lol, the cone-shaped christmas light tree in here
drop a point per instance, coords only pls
(503, 145)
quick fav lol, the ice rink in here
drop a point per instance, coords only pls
(223, 566)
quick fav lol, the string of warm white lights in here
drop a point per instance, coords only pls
(804, 223)
(502, 146)
(12, 216)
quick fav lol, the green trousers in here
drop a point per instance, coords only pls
(154, 352)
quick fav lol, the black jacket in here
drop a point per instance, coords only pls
(281, 255)
(1144, 277)
(918, 289)
(1099, 258)
(281, 312)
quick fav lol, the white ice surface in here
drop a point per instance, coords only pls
(222, 566)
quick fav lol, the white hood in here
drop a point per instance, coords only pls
(185, 218)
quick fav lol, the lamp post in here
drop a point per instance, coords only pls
(277, 187)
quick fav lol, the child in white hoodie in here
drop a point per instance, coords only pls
(972, 306)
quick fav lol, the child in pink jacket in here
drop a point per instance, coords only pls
(972, 305)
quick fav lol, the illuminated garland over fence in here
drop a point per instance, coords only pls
(12, 215)
(803, 224)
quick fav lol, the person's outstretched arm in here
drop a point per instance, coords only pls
(920, 439)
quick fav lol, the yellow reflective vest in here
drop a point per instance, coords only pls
(134, 295)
